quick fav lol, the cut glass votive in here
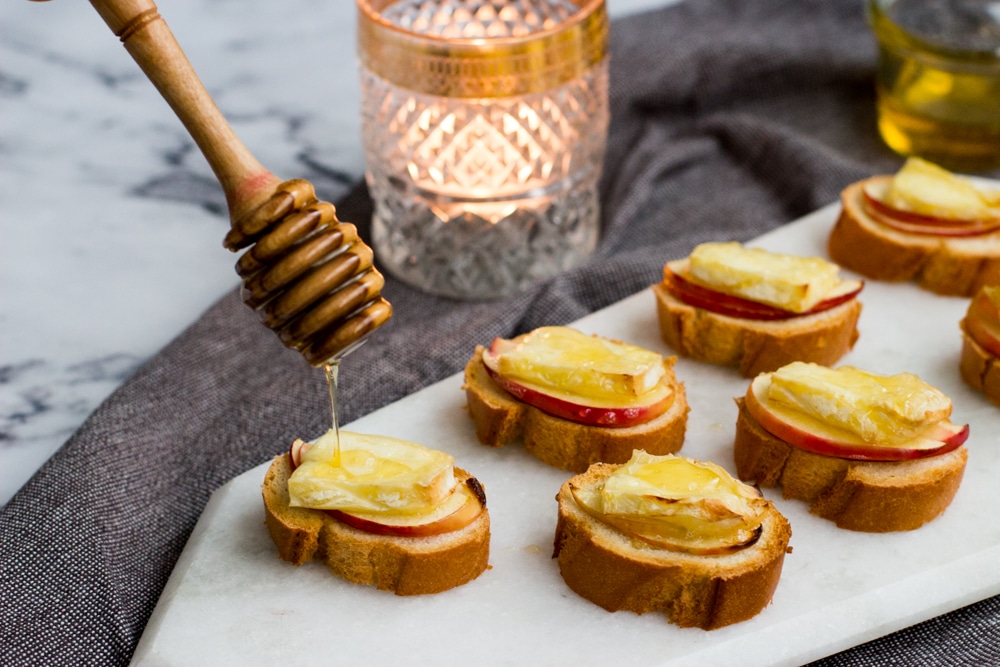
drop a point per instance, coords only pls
(484, 128)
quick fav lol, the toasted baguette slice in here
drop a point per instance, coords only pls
(874, 497)
(756, 346)
(955, 266)
(403, 565)
(501, 419)
(622, 573)
(979, 368)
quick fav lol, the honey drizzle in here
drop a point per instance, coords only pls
(332, 370)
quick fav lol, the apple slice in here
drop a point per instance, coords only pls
(459, 510)
(982, 319)
(721, 303)
(805, 432)
(583, 411)
(585, 379)
(920, 223)
(297, 449)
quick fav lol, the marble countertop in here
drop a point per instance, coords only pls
(112, 219)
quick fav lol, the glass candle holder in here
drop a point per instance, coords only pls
(484, 128)
(938, 80)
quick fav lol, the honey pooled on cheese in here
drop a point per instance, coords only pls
(878, 409)
(789, 282)
(677, 499)
(664, 485)
(574, 362)
(375, 474)
(925, 188)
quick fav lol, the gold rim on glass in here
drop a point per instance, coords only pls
(482, 67)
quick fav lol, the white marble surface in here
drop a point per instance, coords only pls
(112, 221)
(838, 588)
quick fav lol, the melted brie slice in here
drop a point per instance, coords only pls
(375, 474)
(790, 282)
(573, 362)
(878, 409)
(677, 502)
(925, 188)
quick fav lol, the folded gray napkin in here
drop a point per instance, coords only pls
(729, 117)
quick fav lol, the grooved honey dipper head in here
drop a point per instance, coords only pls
(300, 258)
(307, 274)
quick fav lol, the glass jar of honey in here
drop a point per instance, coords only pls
(938, 79)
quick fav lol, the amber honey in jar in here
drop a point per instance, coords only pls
(938, 80)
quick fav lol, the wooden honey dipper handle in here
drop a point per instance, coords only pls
(148, 39)
(307, 275)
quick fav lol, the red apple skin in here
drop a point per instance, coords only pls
(946, 438)
(460, 518)
(296, 450)
(734, 306)
(582, 414)
(989, 340)
(929, 225)
(501, 345)
(922, 218)
(983, 324)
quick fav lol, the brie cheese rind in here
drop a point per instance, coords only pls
(789, 282)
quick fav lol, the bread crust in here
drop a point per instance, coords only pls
(619, 573)
(980, 369)
(403, 565)
(868, 496)
(501, 419)
(756, 346)
(951, 266)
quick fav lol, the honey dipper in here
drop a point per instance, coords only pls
(307, 274)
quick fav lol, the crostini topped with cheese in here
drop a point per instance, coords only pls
(378, 511)
(574, 399)
(871, 452)
(670, 534)
(924, 224)
(757, 310)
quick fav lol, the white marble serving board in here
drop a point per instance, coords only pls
(231, 601)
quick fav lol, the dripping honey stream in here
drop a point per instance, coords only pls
(332, 370)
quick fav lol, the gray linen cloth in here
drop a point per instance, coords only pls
(729, 118)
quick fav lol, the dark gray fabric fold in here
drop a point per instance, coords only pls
(729, 118)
